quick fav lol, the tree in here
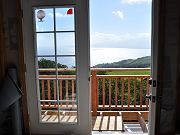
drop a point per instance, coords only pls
(44, 63)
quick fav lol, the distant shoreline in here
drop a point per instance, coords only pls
(143, 62)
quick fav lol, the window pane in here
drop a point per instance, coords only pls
(64, 19)
(48, 89)
(45, 44)
(66, 62)
(68, 101)
(66, 43)
(49, 116)
(47, 23)
(46, 66)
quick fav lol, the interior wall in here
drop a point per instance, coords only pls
(9, 54)
(11, 42)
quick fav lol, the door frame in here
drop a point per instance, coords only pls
(83, 68)
(156, 61)
(155, 45)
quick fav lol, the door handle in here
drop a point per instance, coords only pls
(153, 98)
(148, 97)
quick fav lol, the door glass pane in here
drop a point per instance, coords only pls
(66, 66)
(67, 62)
(56, 69)
(49, 116)
(46, 66)
(65, 19)
(45, 44)
(47, 89)
(68, 100)
(46, 23)
(66, 43)
(67, 88)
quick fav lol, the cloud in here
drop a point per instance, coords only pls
(135, 1)
(119, 14)
(126, 40)
(58, 14)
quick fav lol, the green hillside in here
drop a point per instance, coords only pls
(143, 62)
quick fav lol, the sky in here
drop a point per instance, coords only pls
(119, 29)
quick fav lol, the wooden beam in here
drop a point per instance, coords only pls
(129, 116)
(22, 69)
(110, 97)
(103, 92)
(135, 92)
(142, 123)
(94, 93)
(129, 92)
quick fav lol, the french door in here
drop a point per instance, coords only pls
(56, 38)
(155, 49)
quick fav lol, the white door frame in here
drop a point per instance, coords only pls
(154, 62)
(83, 69)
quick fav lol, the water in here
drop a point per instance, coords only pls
(109, 55)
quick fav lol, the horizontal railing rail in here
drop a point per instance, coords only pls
(109, 92)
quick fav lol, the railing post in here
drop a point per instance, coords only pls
(94, 93)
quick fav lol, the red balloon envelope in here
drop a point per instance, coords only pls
(70, 11)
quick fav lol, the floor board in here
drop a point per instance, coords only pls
(107, 123)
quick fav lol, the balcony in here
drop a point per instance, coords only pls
(117, 99)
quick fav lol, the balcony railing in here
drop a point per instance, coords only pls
(119, 92)
(116, 98)
(109, 92)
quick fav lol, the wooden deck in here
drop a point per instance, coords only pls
(64, 117)
(106, 121)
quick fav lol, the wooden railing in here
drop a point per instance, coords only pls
(109, 92)
(48, 90)
(119, 92)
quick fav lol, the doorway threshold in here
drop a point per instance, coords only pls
(116, 133)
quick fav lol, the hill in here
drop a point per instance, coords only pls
(143, 62)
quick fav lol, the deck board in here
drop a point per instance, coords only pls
(54, 118)
(99, 123)
(111, 123)
(104, 123)
(107, 123)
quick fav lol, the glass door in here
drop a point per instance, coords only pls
(56, 64)
(56, 36)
